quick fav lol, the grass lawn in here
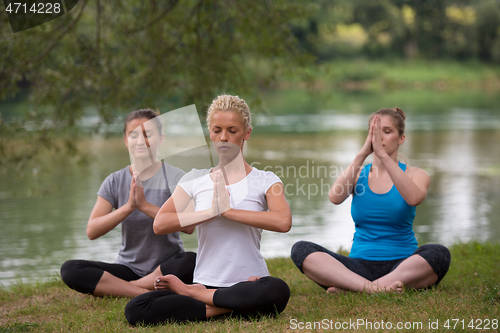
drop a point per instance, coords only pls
(468, 299)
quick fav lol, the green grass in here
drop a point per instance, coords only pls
(469, 291)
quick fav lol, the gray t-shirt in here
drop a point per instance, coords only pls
(142, 250)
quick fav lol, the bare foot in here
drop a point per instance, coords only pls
(173, 283)
(397, 287)
(336, 290)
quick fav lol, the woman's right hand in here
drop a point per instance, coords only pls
(344, 184)
(214, 209)
(178, 214)
(131, 205)
(103, 218)
(367, 148)
(223, 201)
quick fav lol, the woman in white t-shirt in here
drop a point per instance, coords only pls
(234, 202)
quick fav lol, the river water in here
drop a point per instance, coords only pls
(459, 148)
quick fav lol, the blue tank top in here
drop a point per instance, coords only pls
(384, 222)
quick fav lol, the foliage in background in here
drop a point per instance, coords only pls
(426, 29)
(106, 58)
(112, 57)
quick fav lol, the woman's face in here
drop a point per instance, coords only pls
(228, 132)
(389, 135)
(142, 138)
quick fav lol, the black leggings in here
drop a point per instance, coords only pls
(83, 275)
(438, 257)
(266, 296)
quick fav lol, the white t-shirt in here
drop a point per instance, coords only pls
(228, 251)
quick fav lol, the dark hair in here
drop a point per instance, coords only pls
(398, 117)
(143, 113)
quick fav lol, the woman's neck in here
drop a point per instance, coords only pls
(234, 170)
(379, 164)
(145, 167)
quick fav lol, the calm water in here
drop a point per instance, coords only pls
(458, 147)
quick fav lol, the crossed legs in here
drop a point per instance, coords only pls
(249, 298)
(329, 272)
(414, 272)
(426, 267)
(110, 285)
(196, 291)
(189, 302)
(105, 279)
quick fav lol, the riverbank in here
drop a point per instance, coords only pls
(363, 86)
(362, 74)
(327, 85)
(468, 297)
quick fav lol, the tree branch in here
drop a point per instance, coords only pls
(42, 138)
(48, 49)
(155, 20)
(98, 26)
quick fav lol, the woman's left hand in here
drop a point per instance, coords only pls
(140, 199)
(222, 194)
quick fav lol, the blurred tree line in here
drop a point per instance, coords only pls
(428, 29)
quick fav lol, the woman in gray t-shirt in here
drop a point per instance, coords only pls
(131, 197)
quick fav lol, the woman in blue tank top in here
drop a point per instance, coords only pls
(385, 255)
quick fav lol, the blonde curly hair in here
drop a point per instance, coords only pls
(230, 103)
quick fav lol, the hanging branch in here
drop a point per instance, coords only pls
(155, 20)
(48, 49)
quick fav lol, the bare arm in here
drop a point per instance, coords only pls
(150, 209)
(103, 218)
(345, 182)
(190, 208)
(176, 214)
(278, 218)
(412, 185)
